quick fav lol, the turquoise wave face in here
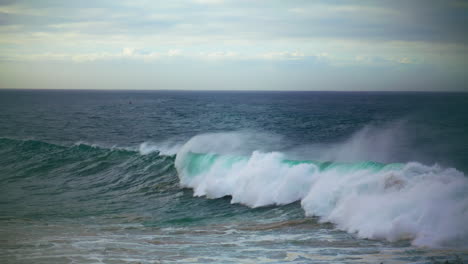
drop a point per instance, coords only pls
(346, 194)
(197, 163)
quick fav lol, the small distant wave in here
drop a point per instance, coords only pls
(32, 158)
(145, 148)
(427, 205)
(52, 180)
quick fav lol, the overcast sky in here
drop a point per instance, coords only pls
(234, 44)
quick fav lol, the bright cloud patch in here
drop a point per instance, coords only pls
(409, 40)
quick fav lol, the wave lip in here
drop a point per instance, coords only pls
(425, 204)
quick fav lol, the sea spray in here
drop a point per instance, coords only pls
(425, 204)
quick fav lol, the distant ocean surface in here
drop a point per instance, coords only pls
(233, 177)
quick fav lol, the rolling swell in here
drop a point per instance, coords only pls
(40, 179)
(427, 205)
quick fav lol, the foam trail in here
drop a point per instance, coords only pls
(426, 204)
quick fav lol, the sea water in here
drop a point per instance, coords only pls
(233, 177)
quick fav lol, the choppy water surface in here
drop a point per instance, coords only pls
(233, 177)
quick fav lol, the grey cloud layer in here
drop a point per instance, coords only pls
(295, 39)
(389, 20)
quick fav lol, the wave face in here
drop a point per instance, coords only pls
(397, 201)
(40, 180)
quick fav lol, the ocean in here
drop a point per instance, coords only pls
(233, 177)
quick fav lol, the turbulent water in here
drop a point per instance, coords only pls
(233, 177)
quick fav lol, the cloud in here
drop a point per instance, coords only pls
(219, 55)
(128, 52)
(379, 60)
(284, 55)
(81, 26)
(16, 9)
(174, 52)
(293, 34)
(125, 54)
(209, 2)
(405, 60)
(327, 10)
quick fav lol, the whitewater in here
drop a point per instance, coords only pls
(425, 204)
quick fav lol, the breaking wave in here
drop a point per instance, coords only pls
(427, 205)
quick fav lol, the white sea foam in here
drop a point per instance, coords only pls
(164, 148)
(426, 204)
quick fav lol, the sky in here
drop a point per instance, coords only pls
(397, 45)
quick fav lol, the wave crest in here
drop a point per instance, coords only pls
(426, 204)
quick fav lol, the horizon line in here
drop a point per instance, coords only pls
(230, 90)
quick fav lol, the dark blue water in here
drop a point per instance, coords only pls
(98, 176)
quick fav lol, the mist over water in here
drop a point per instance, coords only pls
(232, 177)
(425, 204)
